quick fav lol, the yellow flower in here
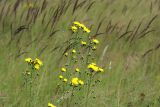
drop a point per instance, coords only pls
(60, 76)
(51, 105)
(66, 54)
(95, 68)
(77, 70)
(65, 80)
(38, 61)
(83, 43)
(86, 29)
(73, 51)
(28, 60)
(81, 26)
(28, 72)
(81, 82)
(74, 81)
(95, 41)
(63, 69)
(74, 29)
(77, 23)
(101, 70)
(94, 48)
(37, 66)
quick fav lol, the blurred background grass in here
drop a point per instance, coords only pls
(129, 28)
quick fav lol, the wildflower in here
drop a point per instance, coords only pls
(28, 72)
(74, 29)
(63, 69)
(73, 51)
(77, 23)
(81, 82)
(77, 70)
(38, 61)
(65, 80)
(83, 43)
(74, 81)
(80, 25)
(51, 105)
(37, 66)
(95, 41)
(95, 68)
(28, 60)
(94, 48)
(66, 54)
(86, 30)
(60, 77)
(101, 70)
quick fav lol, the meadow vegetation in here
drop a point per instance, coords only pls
(79, 53)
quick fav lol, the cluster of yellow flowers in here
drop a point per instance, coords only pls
(76, 81)
(94, 68)
(76, 55)
(62, 78)
(77, 25)
(37, 63)
(94, 43)
(51, 105)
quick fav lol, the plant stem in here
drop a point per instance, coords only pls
(88, 88)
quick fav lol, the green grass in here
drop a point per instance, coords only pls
(134, 78)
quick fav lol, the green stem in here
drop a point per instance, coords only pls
(88, 90)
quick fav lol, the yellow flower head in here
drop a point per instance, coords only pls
(101, 70)
(74, 81)
(74, 29)
(37, 66)
(94, 48)
(77, 23)
(95, 68)
(28, 60)
(63, 69)
(65, 80)
(28, 72)
(73, 51)
(38, 61)
(85, 29)
(83, 43)
(81, 82)
(66, 54)
(77, 70)
(60, 77)
(95, 41)
(82, 26)
(51, 105)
